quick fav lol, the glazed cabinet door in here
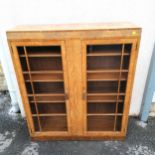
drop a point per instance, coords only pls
(107, 81)
(41, 73)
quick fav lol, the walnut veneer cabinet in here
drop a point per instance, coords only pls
(75, 80)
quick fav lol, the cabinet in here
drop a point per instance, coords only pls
(75, 80)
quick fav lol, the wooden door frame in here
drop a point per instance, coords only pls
(18, 70)
(133, 57)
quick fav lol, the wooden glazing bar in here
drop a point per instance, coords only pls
(119, 85)
(28, 66)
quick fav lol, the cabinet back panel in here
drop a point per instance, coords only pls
(104, 49)
(54, 123)
(108, 62)
(100, 123)
(42, 50)
(103, 123)
(103, 108)
(49, 108)
(51, 123)
(104, 98)
(105, 87)
(41, 64)
(47, 87)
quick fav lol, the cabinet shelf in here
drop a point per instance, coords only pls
(108, 79)
(104, 101)
(45, 54)
(106, 114)
(46, 101)
(42, 72)
(47, 98)
(105, 94)
(106, 70)
(44, 80)
(107, 76)
(53, 94)
(48, 115)
(106, 54)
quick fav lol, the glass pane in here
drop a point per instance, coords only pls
(43, 75)
(106, 85)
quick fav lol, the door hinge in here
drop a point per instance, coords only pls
(66, 96)
(136, 46)
(84, 96)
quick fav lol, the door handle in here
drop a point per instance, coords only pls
(84, 95)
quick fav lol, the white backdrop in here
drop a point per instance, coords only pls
(140, 12)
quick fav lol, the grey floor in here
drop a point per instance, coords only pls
(14, 139)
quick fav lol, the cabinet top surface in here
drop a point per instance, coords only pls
(72, 27)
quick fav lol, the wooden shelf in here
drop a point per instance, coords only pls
(105, 94)
(106, 71)
(47, 98)
(44, 72)
(105, 98)
(106, 114)
(42, 55)
(122, 79)
(104, 101)
(48, 115)
(53, 94)
(107, 54)
(44, 80)
(46, 77)
(107, 76)
(46, 101)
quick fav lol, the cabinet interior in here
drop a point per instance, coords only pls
(107, 72)
(44, 81)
